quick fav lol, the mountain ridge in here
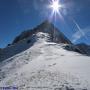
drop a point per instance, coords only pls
(46, 27)
(55, 36)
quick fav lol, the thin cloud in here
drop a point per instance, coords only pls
(78, 35)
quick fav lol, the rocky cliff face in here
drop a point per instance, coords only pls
(45, 27)
(80, 48)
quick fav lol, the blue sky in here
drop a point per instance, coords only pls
(19, 15)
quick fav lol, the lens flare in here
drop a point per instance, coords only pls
(55, 6)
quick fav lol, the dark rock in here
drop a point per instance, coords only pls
(67, 88)
(58, 89)
(29, 41)
(80, 48)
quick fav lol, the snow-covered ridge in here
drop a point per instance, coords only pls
(38, 63)
(46, 66)
(23, 45)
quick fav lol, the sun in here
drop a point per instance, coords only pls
(55, 6)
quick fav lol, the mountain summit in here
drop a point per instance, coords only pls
(46, 27)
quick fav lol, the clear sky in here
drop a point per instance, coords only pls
(19, 15)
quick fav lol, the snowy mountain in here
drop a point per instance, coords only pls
(55, 36)
(27, 38)
(37, 60)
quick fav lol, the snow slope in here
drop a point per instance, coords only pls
(46, 66)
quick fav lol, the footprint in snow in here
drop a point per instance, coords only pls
(52, 65)
(62, 55)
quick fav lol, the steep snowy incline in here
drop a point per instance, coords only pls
(46, 66)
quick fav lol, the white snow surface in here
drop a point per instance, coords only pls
(46, 66)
